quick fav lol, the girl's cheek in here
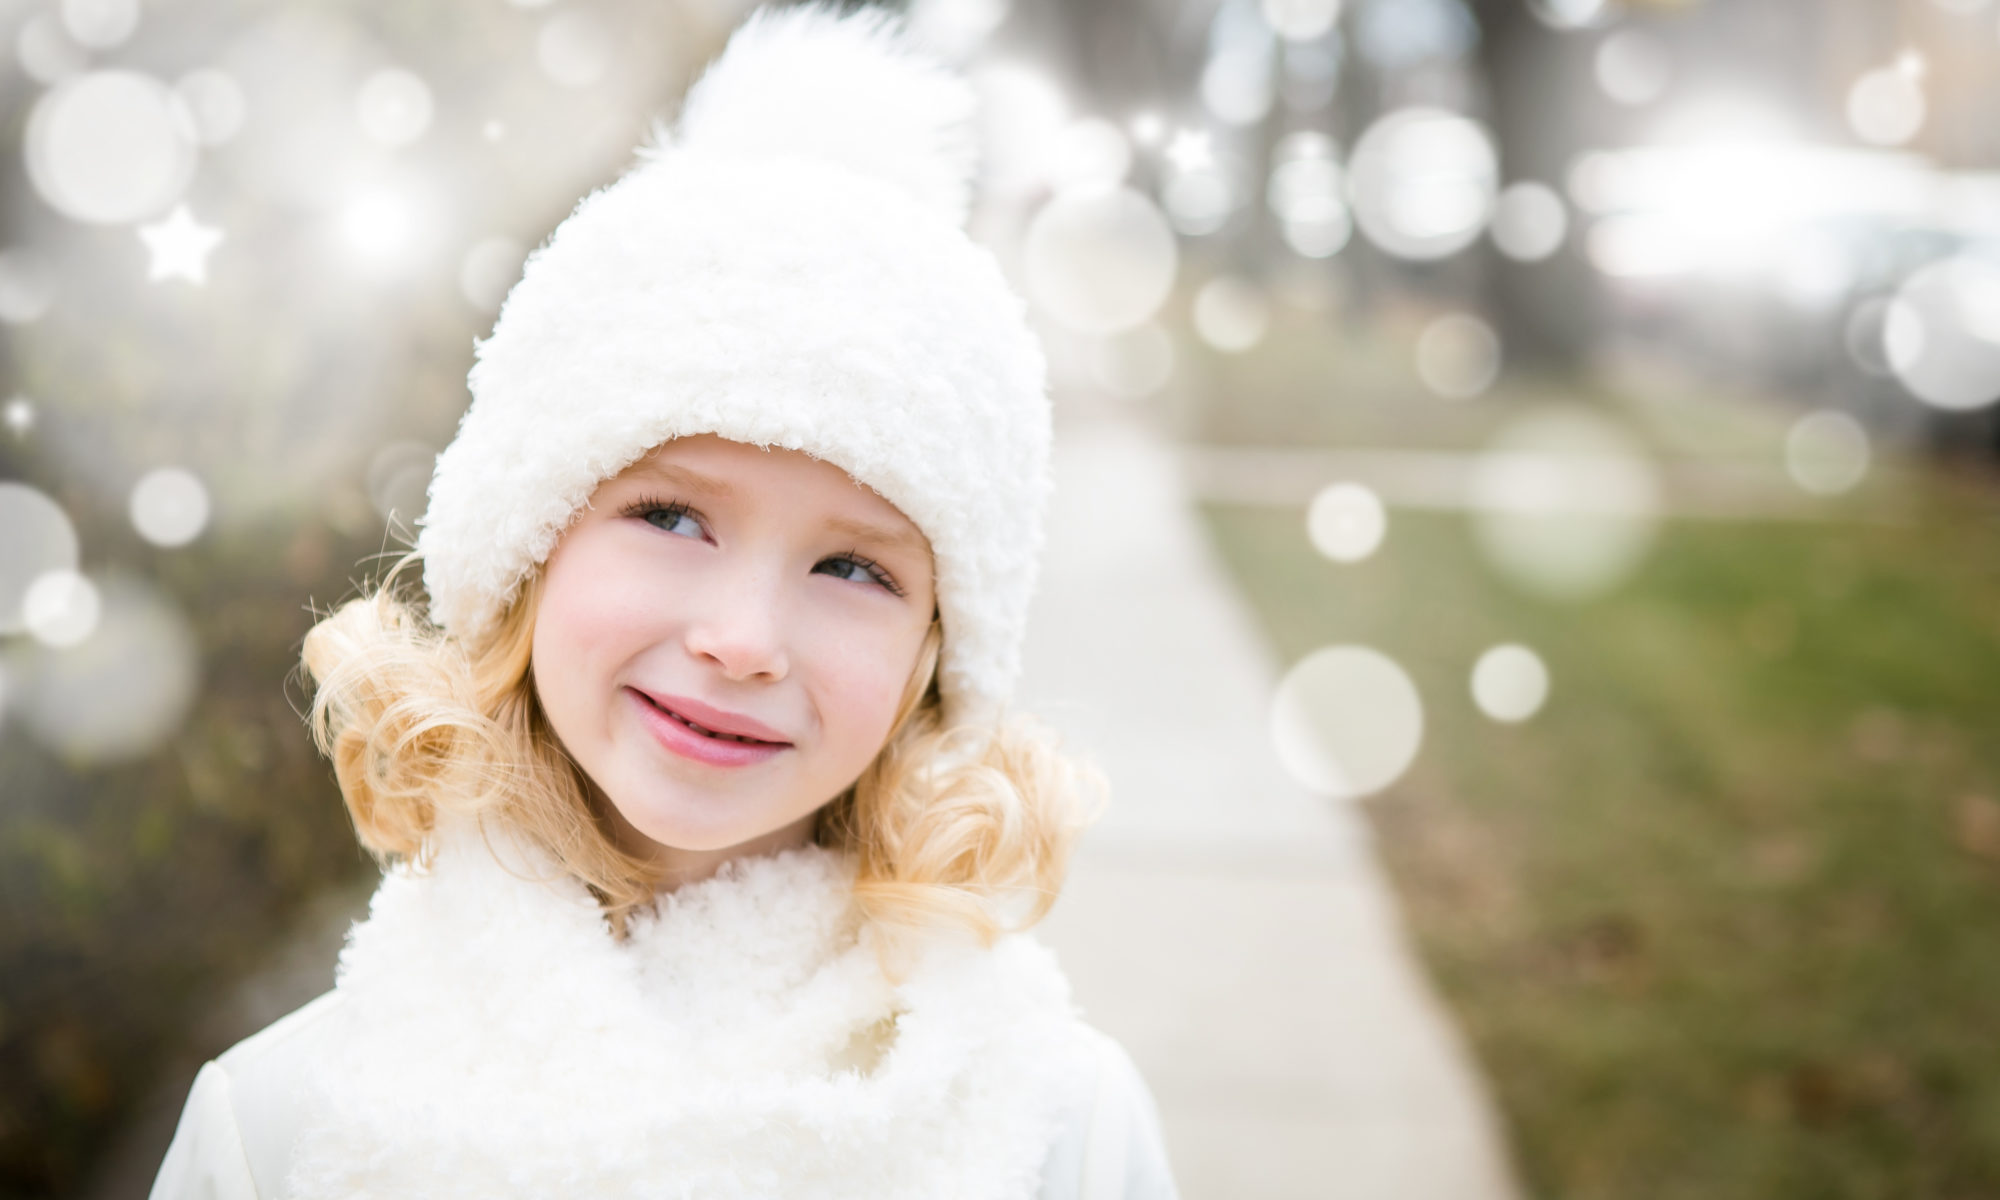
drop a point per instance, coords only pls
(617, 594)
(862, 670)
(890, 674)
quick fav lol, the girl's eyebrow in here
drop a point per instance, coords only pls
(690, 479)
(903, 538)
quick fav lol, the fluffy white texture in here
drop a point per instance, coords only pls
(779, 301)
(843, 88)
(501, 1043)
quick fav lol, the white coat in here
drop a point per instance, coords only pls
(486, 1037)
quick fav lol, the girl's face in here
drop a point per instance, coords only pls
(760, 593)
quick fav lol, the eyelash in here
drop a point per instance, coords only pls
(644, 506)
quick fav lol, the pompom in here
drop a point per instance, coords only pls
(846, 88)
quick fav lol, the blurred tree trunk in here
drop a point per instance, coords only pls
(1119, 53)
(1547, 313)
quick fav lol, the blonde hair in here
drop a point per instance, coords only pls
(969, 826)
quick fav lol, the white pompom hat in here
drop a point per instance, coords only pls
(788, 267)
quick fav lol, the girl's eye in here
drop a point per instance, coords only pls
(670, 517)
(674, 517)
(662, 515)
(856, 567)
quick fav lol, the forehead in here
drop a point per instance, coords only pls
(717, 467)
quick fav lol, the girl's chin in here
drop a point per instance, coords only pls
(686, 825)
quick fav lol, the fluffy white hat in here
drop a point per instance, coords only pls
(789, 267)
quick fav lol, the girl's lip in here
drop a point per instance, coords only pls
(715, 752)
(715, 720)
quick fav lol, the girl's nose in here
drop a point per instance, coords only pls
(740, 629)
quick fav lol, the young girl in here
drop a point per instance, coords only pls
(710, 842)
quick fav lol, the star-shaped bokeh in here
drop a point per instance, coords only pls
(179, 246)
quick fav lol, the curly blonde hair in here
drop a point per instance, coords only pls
(966, 825)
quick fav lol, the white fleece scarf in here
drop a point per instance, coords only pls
(742, 1043)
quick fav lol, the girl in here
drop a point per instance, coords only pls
(710, 843)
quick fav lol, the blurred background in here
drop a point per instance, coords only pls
(1567, 426)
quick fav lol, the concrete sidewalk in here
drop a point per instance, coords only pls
(1233, 931)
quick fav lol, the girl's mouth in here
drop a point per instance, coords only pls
(727, 737)
(690, 740)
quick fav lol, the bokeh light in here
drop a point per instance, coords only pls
(119, 691)
(178, 247)
(1088, 151)
(1021, 113)
(1529, 221)
(1301, 20)
(1565, 503)
(1863, 335)
(36, 537)
(1236, 86)
(18, 415)
(1886, 106)
(1814, 270)
(100, 24)
(1305, 191)
(1458, 356)
(215, 102)
(1410, 34)
(1236, 82)
(1941, 333)
(1594, 180)
(954, 28)
(1320, 229)
(1346, 522)
(1347, 721)
(393, 106)
(575, 48)
(1510, 683)
(109, 147)
(1231, 313)
(169, 506)
(1638, 247)
(381, 225)
(1100, 259)
(489, 271)
(1745, 203)
(61, 608)
(1199, 200)
(1567, 15)
(1422, 182)
(1633, 67)
(1826, 452)
(1191, 149)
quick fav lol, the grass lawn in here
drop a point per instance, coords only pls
(1723, 919)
